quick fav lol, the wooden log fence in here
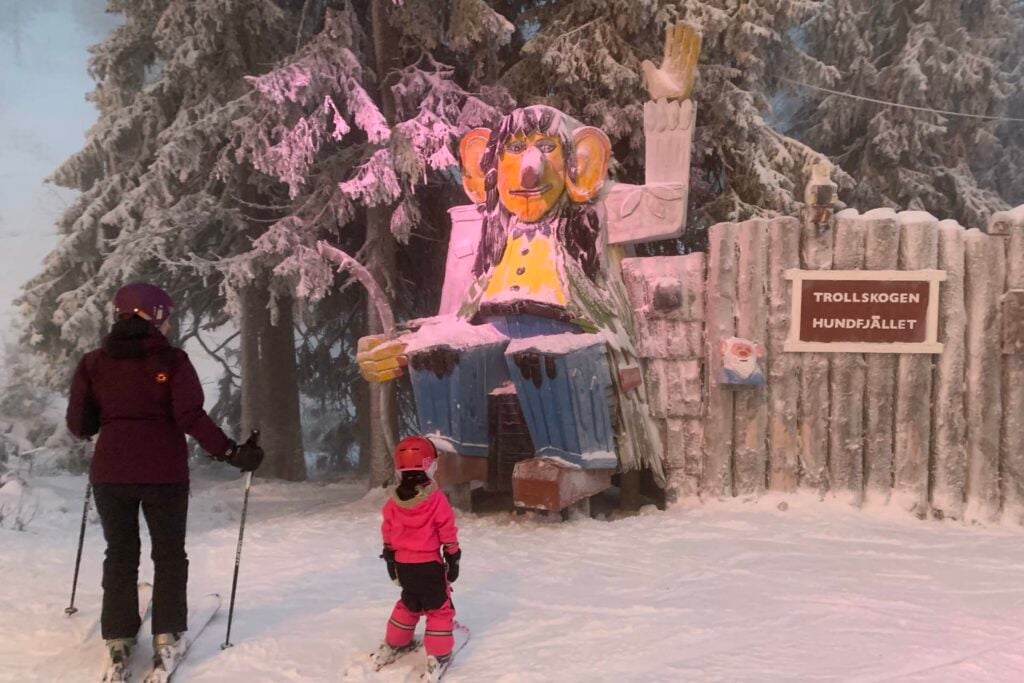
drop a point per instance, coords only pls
(937, 434)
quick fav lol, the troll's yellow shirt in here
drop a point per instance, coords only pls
(528, 270)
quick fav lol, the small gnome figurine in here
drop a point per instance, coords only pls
(741, 364)
(820, 190)
(820, 194)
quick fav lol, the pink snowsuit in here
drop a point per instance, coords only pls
(417, 529)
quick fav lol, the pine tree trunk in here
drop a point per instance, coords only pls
(280, 412)
(382, 265)
(381, 255)
(254, 320)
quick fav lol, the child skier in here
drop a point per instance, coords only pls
(421, 549)
(142, 396)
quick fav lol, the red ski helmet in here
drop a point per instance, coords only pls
(415, 453)
(144, 300)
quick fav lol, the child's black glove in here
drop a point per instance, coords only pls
(451, 560)
(389, 557)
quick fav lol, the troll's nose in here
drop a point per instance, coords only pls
(530, 178)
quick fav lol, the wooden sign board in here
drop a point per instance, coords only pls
(865, 311)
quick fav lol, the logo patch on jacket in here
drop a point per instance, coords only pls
(162, 377)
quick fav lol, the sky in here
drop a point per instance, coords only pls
(44, 117)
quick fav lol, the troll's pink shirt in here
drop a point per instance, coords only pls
(418, 528)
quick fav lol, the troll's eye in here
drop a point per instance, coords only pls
(547, 146)
(515, 147)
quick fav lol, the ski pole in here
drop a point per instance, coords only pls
(71, 609)
(253, 437)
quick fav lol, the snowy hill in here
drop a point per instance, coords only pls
(728, 592)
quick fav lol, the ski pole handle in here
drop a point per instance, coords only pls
(71, 609)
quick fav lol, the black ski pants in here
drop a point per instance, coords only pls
(165, 507)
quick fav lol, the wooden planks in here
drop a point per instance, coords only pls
(815, 254)
(1012, 441)
(919, 248)
(783, 368)
(985, 271)
(881, 253)
(949, 426)
(847, 377)
(721, 297)
(750, 408)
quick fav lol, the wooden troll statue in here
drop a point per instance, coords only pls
(530, 368)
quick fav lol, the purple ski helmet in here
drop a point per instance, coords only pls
(144, 300)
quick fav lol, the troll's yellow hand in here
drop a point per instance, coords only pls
(674, 79)
(380, 359)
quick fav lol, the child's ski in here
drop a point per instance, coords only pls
(167, 658)
(433, 675)
(117, 665)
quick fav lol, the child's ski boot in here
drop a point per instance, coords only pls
(436, 666)
(386, 654)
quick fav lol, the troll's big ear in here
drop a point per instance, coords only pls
(471, 150)
(593, 152)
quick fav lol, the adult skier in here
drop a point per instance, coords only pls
(143, 396)
(421, 549)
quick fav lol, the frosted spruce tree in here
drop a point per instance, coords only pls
(162, 196)
(586, 58)
(954, 55)
(358, 129)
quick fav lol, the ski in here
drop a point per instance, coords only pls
(461, 635)
(117, 665)
(376, 661)
(167, 658)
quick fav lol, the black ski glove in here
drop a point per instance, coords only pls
(246, 457)
(451, 560)
(389, 557)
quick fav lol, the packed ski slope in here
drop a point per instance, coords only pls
(728, 592)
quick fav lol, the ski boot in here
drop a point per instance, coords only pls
(386, 654)
(119, 652)
(167, 649)
(435, 668)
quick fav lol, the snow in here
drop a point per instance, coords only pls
(451, 332)
(1013, 216)
(561, 344)
(883, 213)
(915, 217)
(731, 591)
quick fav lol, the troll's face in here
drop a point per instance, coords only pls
(531, 175)
(531, 163)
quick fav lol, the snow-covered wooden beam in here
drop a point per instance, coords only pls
(783, 368)
(881, 253)
(985, 264)
(721, 324)
(846, 419)
(1012, 442)
(815, 254)
(948, 420)
(750, 408)
(919, 250)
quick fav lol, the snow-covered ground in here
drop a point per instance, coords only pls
(728, 592)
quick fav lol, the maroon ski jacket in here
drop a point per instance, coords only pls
(143, 396)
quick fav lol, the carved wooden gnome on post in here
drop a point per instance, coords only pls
(741, 364)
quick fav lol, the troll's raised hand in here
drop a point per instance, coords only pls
(674, 80)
